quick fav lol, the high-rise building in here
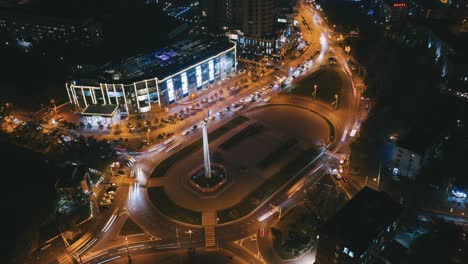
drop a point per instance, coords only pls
(255, 25)
(254, 18)
(258, 18)
(360, 231)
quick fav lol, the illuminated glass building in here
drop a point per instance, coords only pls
(159, 78)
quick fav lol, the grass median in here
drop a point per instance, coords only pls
(277, 153)
(264, 191)
(329, 83)
(243, 134)
(164, 204)
(162, 167)
(130, 228)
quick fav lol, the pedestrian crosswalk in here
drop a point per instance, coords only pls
(64, 259)
(210, 236)
(128, 181)
(209, 220)
(337, 156)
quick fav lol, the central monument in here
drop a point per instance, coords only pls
(206, 150)
(207, 178)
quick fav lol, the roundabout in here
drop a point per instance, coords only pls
(254, 157)
(259, 168)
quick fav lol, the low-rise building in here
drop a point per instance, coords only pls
(75, 183)
(404, 163)
(360, 231)
(159, 78)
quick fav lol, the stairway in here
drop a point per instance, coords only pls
(210, 236)
(209, 222)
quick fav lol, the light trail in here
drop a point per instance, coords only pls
(83, 249)
(97, 256)
(108, 260)
(109, 223)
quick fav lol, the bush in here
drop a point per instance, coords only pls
(243, 134)
(276, 154)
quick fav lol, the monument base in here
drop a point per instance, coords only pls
(203, 184)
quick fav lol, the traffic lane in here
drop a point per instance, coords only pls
(251, 224)
(241, 253)
(121, 251)
(151, 220)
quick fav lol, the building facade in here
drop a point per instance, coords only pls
(255, 18)
(157, 79)
(404, 163)
(256, 24)
(360, 231)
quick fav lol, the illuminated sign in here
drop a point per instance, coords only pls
(211, 70)
(170, 90)
(233, 36)
(183, 76)
(399, 5)
(198, 75)
(282, 20)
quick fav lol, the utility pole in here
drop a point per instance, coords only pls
(190, 234)
(335, 103)
(128, 252)
(378, 175)
(314, 94)
(147, 136)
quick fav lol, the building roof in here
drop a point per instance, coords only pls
(160, 63)
(453, 36)
(100, 110)
(390, 3)
(362, 219)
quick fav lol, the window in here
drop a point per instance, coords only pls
(345, 250)
(351, 254)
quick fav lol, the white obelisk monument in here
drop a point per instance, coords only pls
(206, 151)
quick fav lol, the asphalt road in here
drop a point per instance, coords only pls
(166, 235)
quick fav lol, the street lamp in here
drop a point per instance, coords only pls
(128, 252)
(335, 103)
(190, 234)
(147, 136)
(314, 94)
(111, 166)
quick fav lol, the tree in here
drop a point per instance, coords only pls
(446, 243)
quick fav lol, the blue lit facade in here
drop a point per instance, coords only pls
(157, 79)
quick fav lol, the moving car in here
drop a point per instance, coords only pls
(340, 168)
(337, 176)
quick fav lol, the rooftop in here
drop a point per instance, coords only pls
(100, 110)
(453, 35)
(160, 63)
(362, 219)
